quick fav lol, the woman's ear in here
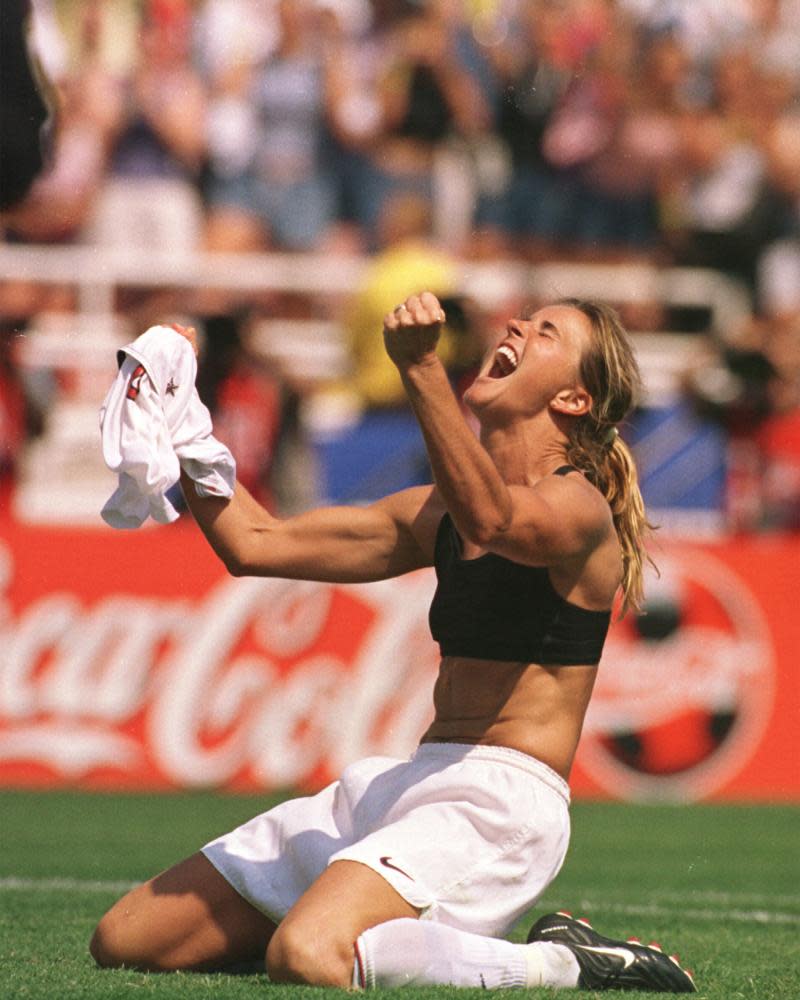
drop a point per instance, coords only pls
(574, 402)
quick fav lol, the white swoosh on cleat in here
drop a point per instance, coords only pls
(627, 956)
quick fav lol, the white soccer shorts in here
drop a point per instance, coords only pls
(469, 835)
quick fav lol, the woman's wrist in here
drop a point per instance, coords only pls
(415, 371)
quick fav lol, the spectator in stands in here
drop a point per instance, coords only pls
(151, 195)
(12, 414)
(578, 184)
(534, 71)
(234, 37)
(740, 193)
(704, 28)
(737, 92)
(778, 276)
(625, 184)
(280, 196)
(25, 106)
(233, 34)
(424, 93)
(63, 196)
(778, 439)
(773, 35)
(408, 259)
(20, 418)
(595, 145)
(355, 50)
(715, 198)
(749, 383)
(245, 400)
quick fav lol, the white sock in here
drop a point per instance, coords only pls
(420, 953)
(550, 964)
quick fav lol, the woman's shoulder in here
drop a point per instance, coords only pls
(568, 483)
(590, 574)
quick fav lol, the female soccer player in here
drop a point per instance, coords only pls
(410, 871)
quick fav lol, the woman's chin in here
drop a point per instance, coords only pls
(471, 399)
(480, 393)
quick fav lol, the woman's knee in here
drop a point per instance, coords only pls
(112, 944)
(188, 917)
(139, 932)
(301, 954)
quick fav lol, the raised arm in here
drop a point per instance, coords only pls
(393, 536)
(552, 521)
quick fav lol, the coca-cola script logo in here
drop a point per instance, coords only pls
(684, 692)
(257, 684)
(118, 670)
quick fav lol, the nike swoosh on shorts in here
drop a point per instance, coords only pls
(386, 861)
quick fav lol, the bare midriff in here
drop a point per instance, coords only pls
(535, 709)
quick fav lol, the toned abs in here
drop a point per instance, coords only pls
(534, 709)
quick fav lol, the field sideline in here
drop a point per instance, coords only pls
(719, 885)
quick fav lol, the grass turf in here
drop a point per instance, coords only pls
(718, 884)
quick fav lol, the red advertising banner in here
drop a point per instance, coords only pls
(132, 660)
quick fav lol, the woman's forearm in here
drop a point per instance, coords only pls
(225, 523)
(473, 490)
(327, 544)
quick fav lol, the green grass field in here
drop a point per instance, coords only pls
(719, 885)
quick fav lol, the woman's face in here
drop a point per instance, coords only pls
(533, 365)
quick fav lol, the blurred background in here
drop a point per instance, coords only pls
(280, 174)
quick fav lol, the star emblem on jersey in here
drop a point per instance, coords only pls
(172, 387)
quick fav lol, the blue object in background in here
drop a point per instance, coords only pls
(681, 458)
(382, 453)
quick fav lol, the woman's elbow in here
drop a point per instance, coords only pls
(486, 531)
(235, 567)
(248, 560)
(236, 561)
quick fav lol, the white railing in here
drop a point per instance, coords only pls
(66, 461)
(97, 272)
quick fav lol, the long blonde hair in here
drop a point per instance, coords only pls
(610, 374)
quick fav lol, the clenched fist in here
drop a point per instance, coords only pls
(411, 331)
(189, 333)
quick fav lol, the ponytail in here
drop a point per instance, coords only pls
(611, 375)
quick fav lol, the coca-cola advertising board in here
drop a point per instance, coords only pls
(132, 660)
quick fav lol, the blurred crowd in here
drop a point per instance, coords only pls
(421, 132)
(607, 128)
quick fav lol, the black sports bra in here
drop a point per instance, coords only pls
(492, 608)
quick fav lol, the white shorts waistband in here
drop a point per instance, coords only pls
(505, 755)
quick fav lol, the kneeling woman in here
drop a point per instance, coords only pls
(410, 871)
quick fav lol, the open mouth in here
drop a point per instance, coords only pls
(505, 362)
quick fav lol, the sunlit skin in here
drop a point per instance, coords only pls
(523, 408)
(502, 497)
(548, 345)
(523, 413)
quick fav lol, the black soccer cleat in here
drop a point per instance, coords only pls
(607, 964)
